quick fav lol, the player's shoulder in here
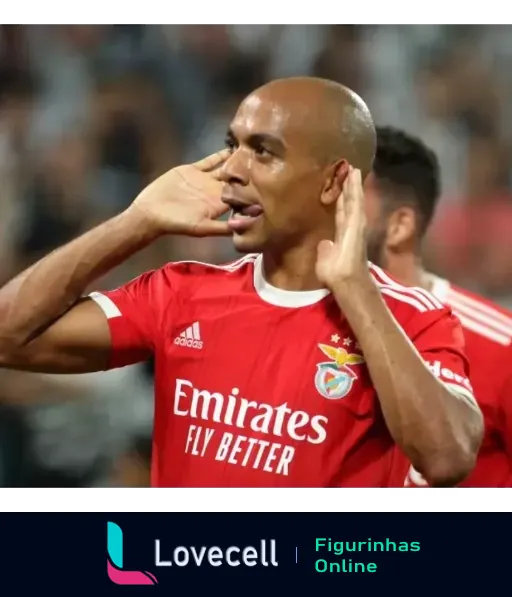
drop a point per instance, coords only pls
(477, 314)
(188, 271)
(406, 300)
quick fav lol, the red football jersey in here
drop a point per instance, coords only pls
(261, 387)
(488, 333)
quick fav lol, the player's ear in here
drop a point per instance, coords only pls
(401, 227)
(336, 175)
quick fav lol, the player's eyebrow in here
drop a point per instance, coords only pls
(274, 143)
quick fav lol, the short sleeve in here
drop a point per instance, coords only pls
(133, 312)
(439, 338)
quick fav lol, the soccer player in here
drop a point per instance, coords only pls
(401, 195)
(299, 364)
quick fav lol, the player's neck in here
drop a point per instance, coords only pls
(408, 270)
(292, 270)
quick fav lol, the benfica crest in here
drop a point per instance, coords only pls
(334, 379)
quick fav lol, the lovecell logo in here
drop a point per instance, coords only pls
(116, 573)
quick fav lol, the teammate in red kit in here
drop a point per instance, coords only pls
(299, 364)
(401, 194)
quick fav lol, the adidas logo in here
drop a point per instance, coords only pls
(191, 337)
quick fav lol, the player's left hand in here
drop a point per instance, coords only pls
(344, 260)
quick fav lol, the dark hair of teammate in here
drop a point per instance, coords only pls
(408, 172)
(401, 193)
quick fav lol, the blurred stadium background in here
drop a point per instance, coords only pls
(90, 114)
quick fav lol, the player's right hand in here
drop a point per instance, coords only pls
(186, 200)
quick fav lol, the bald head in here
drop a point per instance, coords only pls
(337, 121)
(290, 142)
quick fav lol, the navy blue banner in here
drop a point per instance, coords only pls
(254, 554)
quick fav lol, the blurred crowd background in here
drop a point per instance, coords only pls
(91, 114)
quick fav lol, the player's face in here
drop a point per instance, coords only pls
(272, 181)
(377, 223)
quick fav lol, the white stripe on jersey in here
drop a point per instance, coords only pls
(481, 313)
(479, 306)
(417, 297)
(107, 305)
(474, 315)
(229, 267)
(481, 329)
(404, 298)
(110, 309)
(461, 393)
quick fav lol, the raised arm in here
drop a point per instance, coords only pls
(436, 422)
(46, 324)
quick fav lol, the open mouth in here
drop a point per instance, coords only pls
(242, 215)
(242, 210)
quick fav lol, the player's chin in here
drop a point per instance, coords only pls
(248, 242)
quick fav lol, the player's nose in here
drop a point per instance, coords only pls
(235, 169)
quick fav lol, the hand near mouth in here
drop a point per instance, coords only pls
(186, 200)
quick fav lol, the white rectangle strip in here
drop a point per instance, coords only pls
(106, 304)
(428, 495)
